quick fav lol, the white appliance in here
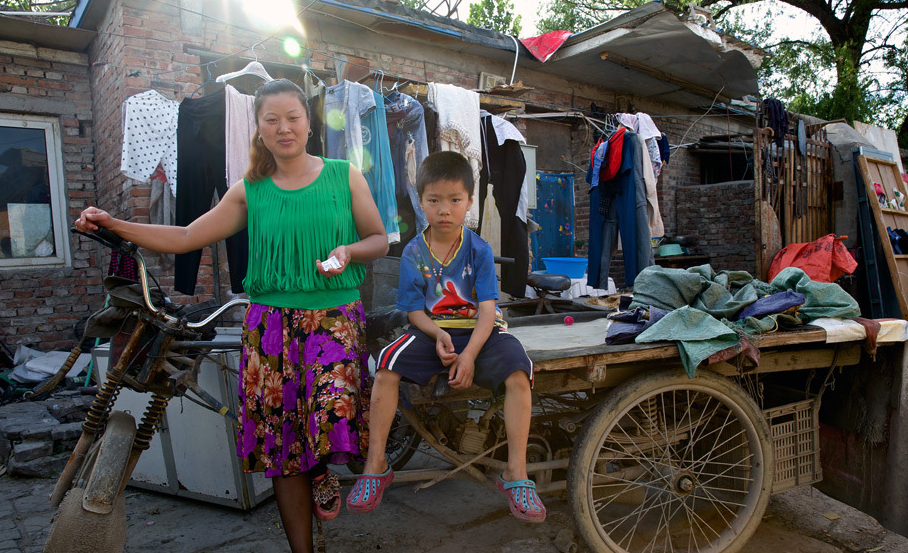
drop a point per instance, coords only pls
(193, 453)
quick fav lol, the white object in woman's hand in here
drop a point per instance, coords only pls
(336, 263)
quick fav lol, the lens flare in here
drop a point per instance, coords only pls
(292, 47)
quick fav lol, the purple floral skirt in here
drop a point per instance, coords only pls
(304, 388)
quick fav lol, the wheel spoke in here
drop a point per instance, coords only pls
(713, 500)
(701, 424)
(698, 519)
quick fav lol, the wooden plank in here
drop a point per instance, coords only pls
(790, 360)
(886, 173)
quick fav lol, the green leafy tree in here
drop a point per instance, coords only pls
(497, 15)
(41, 6)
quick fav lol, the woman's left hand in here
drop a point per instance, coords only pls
(342, 254)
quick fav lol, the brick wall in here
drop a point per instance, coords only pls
(143, 45)
(40, 306)
(722, 217)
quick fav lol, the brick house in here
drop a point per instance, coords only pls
(74, 80)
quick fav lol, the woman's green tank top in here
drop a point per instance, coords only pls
(289, 230)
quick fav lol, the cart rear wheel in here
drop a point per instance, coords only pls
(671, 464)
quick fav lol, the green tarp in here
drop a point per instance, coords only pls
(702, 302)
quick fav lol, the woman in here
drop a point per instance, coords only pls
(303, 397)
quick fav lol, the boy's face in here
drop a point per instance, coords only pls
(445, 204)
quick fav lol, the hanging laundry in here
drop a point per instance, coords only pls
(665, 150)
(346, 104)
(625, 211)
(377, 167)
(201, 144)
(150, 137)
(775, 117)
(409, 147)
(504, 172)
(239, 127)
(645, 171)
(458, 130)
(315, 94)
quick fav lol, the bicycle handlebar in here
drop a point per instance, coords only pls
(115, 242)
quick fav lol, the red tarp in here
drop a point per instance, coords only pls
(543, 46)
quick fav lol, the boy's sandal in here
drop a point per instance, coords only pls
(367, 491)
(326, 496)
(522, 499)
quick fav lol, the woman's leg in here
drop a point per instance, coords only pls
(294, 501)
(518, 408)
(382, 408)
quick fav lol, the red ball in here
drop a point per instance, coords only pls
(569, 320)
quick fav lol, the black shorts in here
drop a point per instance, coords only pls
(413, 357)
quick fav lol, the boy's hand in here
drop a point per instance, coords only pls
(460, 377)
(444, 347)
(342, 256)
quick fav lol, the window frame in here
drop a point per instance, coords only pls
(58, 199)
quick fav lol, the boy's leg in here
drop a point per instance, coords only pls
(518, 408)
(382, 408)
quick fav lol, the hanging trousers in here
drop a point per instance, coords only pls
(505, 167)
(624, 214)
(202, 170)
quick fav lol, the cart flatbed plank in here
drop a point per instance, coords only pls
(560, 346)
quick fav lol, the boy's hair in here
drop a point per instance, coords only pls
(445, 166)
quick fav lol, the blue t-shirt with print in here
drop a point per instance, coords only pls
(449, 294)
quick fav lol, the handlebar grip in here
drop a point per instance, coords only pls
(110, 237)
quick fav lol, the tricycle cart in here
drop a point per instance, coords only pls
(651, 460)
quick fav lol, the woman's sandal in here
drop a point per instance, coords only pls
(326, 496)
(522, 499)
(367, 491)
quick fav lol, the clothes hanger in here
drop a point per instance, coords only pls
(253, 68)
(208, 68)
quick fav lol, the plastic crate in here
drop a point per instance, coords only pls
(795, 429)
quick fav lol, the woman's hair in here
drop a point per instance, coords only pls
(446, 165)
(261, 161)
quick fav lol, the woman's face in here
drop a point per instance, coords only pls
(283, 125)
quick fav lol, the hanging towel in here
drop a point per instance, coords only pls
(654, 217)
(150, 137)
(646, 128)
(458, 130)
(504, 129)
(240, 124)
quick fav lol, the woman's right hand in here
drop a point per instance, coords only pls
(91, 218)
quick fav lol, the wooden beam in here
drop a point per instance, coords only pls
(661, 75)
(488, 102)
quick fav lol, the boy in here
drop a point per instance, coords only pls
(448, 287)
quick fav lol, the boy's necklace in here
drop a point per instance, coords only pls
(440, 267)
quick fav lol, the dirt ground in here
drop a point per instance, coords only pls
(454, 516)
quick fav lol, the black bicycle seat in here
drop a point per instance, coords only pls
(549, 282)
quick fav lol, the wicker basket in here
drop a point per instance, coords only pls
(795, 428)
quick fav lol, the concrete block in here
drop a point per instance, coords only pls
(69, 409)
(68, 432)
(28, 451)
(44, 467)
(19, 418)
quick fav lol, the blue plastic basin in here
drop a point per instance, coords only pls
(571, 267)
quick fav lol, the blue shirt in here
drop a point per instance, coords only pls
(449, 294)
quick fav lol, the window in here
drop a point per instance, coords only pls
(32, 196)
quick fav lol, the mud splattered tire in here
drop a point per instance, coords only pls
(667, 463)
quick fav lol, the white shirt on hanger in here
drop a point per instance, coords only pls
(150, 137)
